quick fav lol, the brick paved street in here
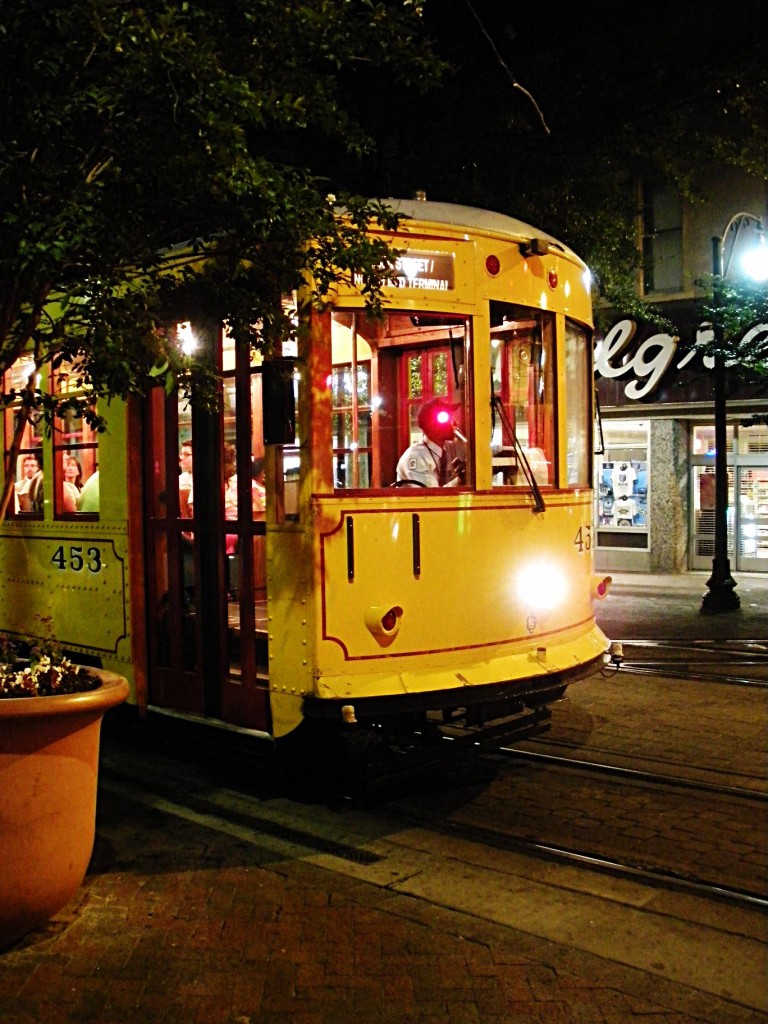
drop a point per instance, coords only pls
(182, 920)
(181, 923)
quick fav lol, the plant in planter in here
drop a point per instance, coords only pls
(50, 723)
(43, 676)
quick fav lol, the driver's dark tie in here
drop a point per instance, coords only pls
(443, 469)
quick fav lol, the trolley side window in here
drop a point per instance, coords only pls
(383, 374)
(578, 405)
(75, 452)
(27, 499)
(522, 381)
(74, 449)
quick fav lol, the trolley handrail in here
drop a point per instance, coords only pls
(599, 446)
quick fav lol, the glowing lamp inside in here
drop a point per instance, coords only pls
(186, 339)
(443, 417)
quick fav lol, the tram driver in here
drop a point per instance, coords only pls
(437, 460)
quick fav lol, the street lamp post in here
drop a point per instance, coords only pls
(721, 595)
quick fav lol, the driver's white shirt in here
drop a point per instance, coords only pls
(421, 463)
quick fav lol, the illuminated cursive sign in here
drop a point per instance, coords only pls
(654, 356)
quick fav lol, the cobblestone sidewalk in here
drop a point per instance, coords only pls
(179, 922)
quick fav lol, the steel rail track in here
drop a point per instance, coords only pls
(175, 798)
(549, 742)
(658, 878)
(673, 671)
(633, 774)
(722, 652)
(716, 645)
(208, 810)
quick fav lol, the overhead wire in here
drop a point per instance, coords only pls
(513, 80)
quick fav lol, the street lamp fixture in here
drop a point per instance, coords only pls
(721, 595)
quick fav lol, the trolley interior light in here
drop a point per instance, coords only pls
(186, 338)
(542, 585)
(443, 416)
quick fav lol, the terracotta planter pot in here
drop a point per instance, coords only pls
(49, 754)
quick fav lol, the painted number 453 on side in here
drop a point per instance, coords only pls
(78, 558)
(583, 539)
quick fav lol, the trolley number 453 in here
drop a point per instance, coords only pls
(78, 558)
(583, 538)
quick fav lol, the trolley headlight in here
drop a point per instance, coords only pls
(542, 585)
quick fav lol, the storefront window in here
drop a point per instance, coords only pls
(704, 511)
(622, 485)
(753, 439)
(753, 519)
(704, 440)
(746, 496)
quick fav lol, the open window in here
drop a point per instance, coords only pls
(27, 499)
(522, 382)
(75, 453)
(383, 373)
(578, 385)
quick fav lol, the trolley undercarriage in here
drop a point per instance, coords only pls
(375, 742)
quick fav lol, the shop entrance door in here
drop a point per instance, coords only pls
(703, 540)
(752, 554)
(206, 550)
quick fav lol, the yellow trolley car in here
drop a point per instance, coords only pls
(296, 566)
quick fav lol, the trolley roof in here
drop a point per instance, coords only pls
(477, 219)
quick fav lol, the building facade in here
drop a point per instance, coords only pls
(655, 475)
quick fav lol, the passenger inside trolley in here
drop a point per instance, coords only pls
(185, 479)
(26, 488)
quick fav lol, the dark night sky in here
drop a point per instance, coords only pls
(585, 64)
